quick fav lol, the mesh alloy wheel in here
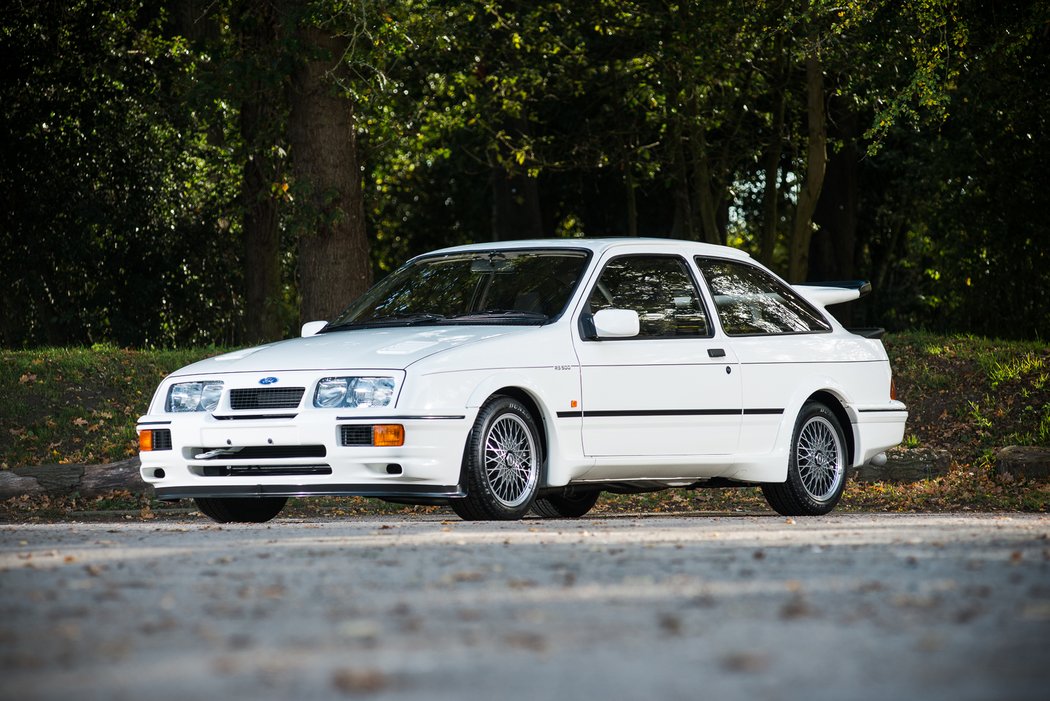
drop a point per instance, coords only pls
(502, 463)
(511, 466)
(820, 457)
(817, 463)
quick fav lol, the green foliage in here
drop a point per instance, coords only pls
(137, 137)
(114, 210)
(969, 395)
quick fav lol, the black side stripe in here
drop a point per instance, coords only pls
(667, 412)
(414, 417)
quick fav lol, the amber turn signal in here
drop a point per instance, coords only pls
(389, 435)
(893, 390)
(145, 441)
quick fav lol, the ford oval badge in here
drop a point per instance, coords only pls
(267, 380)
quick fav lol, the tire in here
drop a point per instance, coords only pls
(572, 504)
(817, 466)
(502, 463)
(241, 510)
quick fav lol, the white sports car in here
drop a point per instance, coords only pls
(506, 377)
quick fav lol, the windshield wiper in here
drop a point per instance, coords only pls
(391, 320)
(495, 314)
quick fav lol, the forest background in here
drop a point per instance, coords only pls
(191, 172)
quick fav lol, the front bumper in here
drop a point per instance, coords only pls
(303, 455)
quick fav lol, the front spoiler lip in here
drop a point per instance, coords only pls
(408, 491)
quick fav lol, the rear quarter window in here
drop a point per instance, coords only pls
(751, 302)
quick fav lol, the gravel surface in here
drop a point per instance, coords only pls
(639, 607)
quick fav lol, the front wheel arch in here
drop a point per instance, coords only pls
(504, 426)
(538, 417)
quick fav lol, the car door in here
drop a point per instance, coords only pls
(674, 389)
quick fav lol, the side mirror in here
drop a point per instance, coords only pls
(616, 323)
(311, 328)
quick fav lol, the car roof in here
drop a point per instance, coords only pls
(601, 245)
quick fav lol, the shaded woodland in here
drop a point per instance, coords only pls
(192, 171)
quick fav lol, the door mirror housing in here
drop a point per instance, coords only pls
(311, 328)
(616, 323)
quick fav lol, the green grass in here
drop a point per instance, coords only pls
(78, 405)
(972, 395)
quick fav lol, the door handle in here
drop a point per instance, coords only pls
(716, 353)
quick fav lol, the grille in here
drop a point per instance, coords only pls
(355, 435)
(266, 398)
(264, 452)
(161, 439)
(262, 470)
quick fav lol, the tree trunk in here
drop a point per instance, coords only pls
(683, 226)
(774, 152)
(515, 206)
(836, 213)
(334, 266)
(706, 201)
(261, 117)
(816, 163)
(632, 203)
(516, 210)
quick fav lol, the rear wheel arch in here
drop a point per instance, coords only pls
(817, 464)
(836, 406)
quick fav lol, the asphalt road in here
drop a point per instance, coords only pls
(696, 607)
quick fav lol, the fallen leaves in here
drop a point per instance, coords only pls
(745, 662)
(359, 681)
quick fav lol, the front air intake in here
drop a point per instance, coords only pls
(355, 435)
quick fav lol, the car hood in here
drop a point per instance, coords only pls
(385, 348)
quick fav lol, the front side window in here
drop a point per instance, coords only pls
(529, 286)
(752, 302)
(659, 288)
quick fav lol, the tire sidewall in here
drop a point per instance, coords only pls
(812, 505)
(478, 487)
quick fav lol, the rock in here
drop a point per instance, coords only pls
(13, 485)
(1031, 461)
(907, 465)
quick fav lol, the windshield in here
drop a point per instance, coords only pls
(487, 287)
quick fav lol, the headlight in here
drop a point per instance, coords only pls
(194, 396)
(354, 392)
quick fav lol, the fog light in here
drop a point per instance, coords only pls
(388, 435)
(145, 441)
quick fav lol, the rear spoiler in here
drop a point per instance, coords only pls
(828, 293)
